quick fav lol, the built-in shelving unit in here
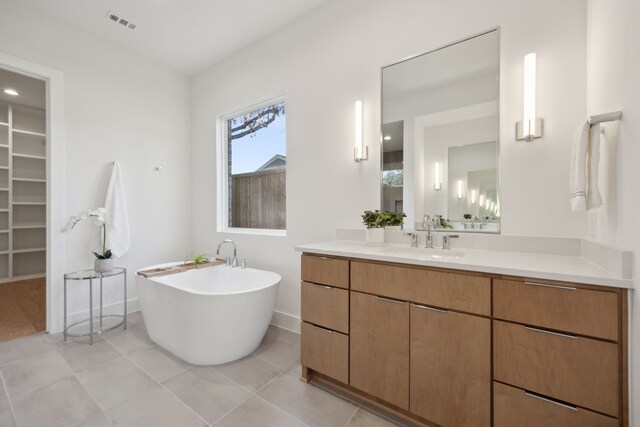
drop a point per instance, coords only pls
(23, 189)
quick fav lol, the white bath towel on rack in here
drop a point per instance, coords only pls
(594, 200)
(118, 230)
(577, 172)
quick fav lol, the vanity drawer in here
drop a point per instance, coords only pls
(325, 351)
(515, 407)
(325, 306)
(582, 371)
(462, 292)
(325, 270)
(564, 308)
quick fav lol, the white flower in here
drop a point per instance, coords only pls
(98, 215)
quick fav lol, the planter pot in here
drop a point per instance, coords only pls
(375, 236)
(393, 227)
(103, 265)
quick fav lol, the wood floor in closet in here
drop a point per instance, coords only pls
(22, 308)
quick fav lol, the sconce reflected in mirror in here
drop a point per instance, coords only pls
(437, 182)
(530, 127)
(473, 197)
(459, 194)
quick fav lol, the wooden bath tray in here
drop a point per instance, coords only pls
(164, 271)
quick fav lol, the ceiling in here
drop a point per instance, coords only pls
(32, 91)
(185, 35)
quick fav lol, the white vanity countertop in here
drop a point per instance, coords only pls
(536, 266)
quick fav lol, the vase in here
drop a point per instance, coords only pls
(103, 265)
(375, 236)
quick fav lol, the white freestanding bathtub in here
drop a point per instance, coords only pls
(208, 316)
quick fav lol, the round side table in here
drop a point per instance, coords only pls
(104, 322)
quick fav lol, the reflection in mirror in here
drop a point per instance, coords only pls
(440, 135)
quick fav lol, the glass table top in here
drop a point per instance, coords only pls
(92, 274)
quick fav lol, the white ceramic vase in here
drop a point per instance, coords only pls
(375, 236)
(103, 265)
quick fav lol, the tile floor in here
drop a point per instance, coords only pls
(124, 379)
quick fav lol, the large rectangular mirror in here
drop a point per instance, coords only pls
(440, 130)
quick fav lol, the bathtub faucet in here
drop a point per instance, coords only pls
(232, 262)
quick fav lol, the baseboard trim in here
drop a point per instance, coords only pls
(286, 321)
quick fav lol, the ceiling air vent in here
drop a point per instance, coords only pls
(124, 22)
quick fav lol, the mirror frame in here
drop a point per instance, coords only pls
(497, 29)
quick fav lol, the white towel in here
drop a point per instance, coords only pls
(577, 172)
(594, 200)
(118, 232)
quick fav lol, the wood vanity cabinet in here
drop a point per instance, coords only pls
(324, 339)
(453, 348)
(379, 347)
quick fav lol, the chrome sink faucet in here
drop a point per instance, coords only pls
(446, 240)
(232, 262)
(414, 239)
(426, 225)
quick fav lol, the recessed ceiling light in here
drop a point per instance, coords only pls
(387, 138)
(13, 92)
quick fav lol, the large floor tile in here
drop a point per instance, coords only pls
(64, 403)
(80, 355)
(135, 317)
(128, 340)
(278, 353)
(30, 373)
(363, 418)
(209, 393)
(154, 408)
(98, 420)
(3, 392)
(6, 414)
(279, 334)
(158, 363)
(251, 372)
(115, 381)
(308, 403)
(258, 412)
(13, 350)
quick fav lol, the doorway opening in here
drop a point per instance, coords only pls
(23, 205)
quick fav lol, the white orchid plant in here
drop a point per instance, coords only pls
(99, 218)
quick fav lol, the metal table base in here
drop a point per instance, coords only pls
(100, 320)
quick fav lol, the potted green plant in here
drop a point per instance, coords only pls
(395, 220)
(196, 261)
(375, 221)
(467, 216)
(104, 260)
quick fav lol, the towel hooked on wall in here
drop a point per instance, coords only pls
(118, 232)
(577, 172)
(593, 159)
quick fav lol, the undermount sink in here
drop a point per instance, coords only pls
(422, 253)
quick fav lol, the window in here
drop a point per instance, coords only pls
(254, 165)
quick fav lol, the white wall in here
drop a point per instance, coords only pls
(118, 107)
(331, 57)
(613, 67)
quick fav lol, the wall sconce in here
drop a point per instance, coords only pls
(487, 203)
(473, 197)
(530, 127)
(459, 194)
(437, 184)
(481, 200)
(361, 151)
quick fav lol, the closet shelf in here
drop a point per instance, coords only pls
(4, 231)
(28, 132)
(4, 145)
(30, 203)
(29, 156)
(24, 251)
(29, 179)
(27, 226)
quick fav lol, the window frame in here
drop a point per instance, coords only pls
(222, 155)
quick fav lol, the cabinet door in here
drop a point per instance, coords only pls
(379, 347)
(450, 367)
